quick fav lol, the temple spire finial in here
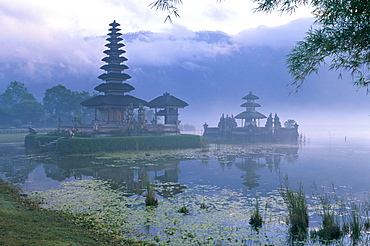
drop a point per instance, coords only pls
(114, 24)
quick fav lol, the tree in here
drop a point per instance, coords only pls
(5, 116)
(28, 111)
(16, 103)
(339, 36)
(169, 6)
(15, 93)
(77, 98)
(62, 102)
(58, 101)
(290, 123)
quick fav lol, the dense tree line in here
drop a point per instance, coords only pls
(19, 107)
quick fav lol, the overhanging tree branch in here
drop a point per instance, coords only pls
(340, 35)
(169, 6)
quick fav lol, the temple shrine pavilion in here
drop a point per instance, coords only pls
(168, 106)
(250, 116)
(250, 130)
(115, 109)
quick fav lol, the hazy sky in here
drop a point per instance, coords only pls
(87, 18)
(45, 43)
(40, 36)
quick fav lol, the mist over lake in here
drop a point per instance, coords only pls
(200, 196)
(227, 179)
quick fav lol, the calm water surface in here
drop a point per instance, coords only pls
(344, 164)
(250, 173)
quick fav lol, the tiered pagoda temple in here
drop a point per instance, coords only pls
(250, 130)
(250, 116)
(117, 111)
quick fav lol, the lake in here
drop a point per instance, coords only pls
(218, 186)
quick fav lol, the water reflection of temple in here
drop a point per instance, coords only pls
(131, 179)
(14, 166)
(251, 163)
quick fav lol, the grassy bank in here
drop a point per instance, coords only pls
(24, 223)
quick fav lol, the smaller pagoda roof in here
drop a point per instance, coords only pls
(110, 67)
(109, 59)
(250, 96)
(250, 105)
(167, 101)
(114, 87)
(114, 29)
(114, 52)
(114, 45)
(114, 39)
(114, 76)
(250, 115)
(114, 33)
(113, 101)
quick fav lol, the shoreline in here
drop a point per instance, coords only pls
(23, 222)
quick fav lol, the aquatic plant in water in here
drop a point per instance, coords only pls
(184, 210)
(150, 199)
(225, 222)
(297, 209)
(355, 223)
(330, 226)
(256, 218)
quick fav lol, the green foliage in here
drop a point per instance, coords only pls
(15, 92)
(93, 145)
(16, 123)
(23, 222)
(184, 210)
(168, 6)
(290, 123)
(34, 141)
(28, 111)
(56, 133)
(29, 141)
(43, 139)
(355, 223)
(256, 218)
(18, 106)
(62, 102)
(340, 34)
(222, 224)
(65, 133)
(330, 228)
(297, 209)
(57, 100)
(5, 116)
(150, 199)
